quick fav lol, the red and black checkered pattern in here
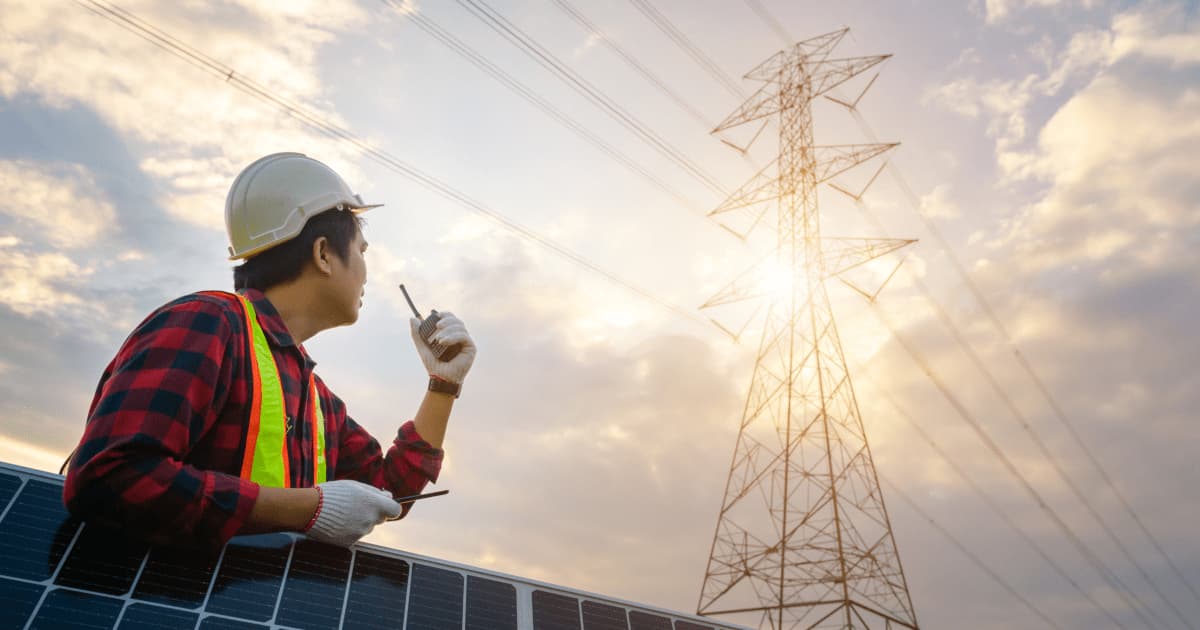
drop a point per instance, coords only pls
(164, 441)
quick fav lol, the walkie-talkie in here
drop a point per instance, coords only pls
(428, 327)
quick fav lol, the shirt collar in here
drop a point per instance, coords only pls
(272, 324)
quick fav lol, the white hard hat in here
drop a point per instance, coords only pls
(272, 199)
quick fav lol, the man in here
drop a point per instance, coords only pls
(210, 422)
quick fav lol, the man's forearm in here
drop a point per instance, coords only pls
(281, 510)
(432, 417)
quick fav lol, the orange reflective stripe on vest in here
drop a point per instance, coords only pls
(266, 460)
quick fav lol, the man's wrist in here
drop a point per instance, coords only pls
(440, 385)
(317, 512)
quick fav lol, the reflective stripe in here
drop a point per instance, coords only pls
(266, 460)
(318, 431)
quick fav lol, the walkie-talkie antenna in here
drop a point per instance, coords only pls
(410, 302)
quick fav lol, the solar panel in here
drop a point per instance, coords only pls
(56, 572)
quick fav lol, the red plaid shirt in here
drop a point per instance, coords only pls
(163, 446)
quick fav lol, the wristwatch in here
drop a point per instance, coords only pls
(442, 386)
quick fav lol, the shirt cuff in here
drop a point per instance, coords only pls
(236, 498)
(417, 452)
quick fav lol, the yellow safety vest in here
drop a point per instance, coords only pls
(266, 460)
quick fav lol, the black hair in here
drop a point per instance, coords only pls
(284, 262)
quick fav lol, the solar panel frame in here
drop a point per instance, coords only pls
(150, 588)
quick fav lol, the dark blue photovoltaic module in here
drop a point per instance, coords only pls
(56, 572)
(554, 611)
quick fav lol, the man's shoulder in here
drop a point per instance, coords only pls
(202, 311)
(204, 300)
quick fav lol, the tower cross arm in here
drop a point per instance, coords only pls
(818, 77)
(834, 72)
(811, 47)
(764, 186)
(835, 159)
(839, 255)
(831, 161)
(761, 104)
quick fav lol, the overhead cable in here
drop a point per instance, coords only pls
(761, 10)
(1113, 580)
(561, 71)
(633, 63)
(775, 25)
(976, 560)
(170, 44)
(991, 503)
(685, 44)
(496, 72)
(1022, 420)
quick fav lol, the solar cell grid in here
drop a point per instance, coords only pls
(491, 605)
(178, 577)
(552, 611)
(140, 616)
(435, 599)
(378, 592)
(35, 532)
(220, 623)
(8, 489)
(680, 624)
(102, 560)
(17, 601)
(315, 587)
(65, 609)
(55, 574)
(597, 616)
(639, 620)
(248, 581)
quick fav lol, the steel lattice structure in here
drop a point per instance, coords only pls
(822, 553)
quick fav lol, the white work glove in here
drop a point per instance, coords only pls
(449, 331)
(350, 510)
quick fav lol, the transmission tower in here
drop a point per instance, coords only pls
(821, 554)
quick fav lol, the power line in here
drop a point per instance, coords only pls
(1041, 386)
(633, 63)
(967, 552)
(594, 31)
(177, 48)
(685, 44)
(491, 69)
(1022, 420)
(665, 25)
(1001, 512)
(546, 59)
(1113, 580)
(777, 27)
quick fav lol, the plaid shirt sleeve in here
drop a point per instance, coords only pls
(161, 394)
(409, 465)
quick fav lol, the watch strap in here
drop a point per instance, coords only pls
(442, 386)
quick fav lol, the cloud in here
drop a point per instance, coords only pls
(60, 202)
(938, 205)
(1005, 103)
(1119, 160)
(1154, 34)
(997, 10)
(14, 451)
(179, 117)
(33, 284)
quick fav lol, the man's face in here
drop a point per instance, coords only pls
(350, 278)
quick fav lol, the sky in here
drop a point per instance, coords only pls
(1047, 168)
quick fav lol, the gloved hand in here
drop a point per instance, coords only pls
(350, 510)
(449, 331)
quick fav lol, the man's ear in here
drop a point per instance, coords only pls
(320, 255)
